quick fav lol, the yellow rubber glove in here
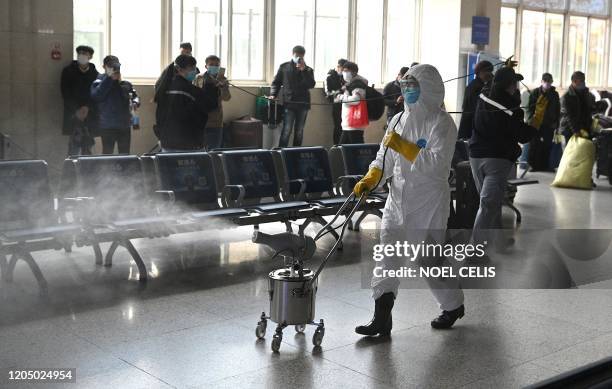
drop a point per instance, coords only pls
(368, 182)
(584, 133)
(406, 148)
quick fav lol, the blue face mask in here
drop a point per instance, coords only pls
(191, 75)
(213, 70)
(411, 94)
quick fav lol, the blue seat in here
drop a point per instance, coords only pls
(252, 183)
(118, 207)
(352, 162)
(190, 177)
(28, 219)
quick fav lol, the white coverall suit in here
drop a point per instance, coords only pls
(418, 204)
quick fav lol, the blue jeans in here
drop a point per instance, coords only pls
(213, 138)
(295, 119)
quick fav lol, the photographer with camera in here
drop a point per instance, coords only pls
(114, 97)
(214, 83)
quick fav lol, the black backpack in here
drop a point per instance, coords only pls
(376, 104)
(374, 100)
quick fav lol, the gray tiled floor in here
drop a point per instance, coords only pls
(193, 325)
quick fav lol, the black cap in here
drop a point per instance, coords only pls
(506, 76)
(184, 61)
(547, 77)
(111, 60)
(84, 48)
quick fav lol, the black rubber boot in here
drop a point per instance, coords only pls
(448, 318)
(382, 322)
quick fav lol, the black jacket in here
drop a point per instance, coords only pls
(333, 83)
(75, 91)
(295, 85)
(181, 114)
(470, 101)
(499, 127)
(576, 110)
(391, 92)
(553, 109)
(113, 99)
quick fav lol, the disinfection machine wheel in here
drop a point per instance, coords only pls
(277, 338)
(300, 328)
(317, 338)
(260, 330)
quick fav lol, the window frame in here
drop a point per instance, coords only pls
(606, 76)
(167, 44)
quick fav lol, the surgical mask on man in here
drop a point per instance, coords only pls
(213, 70)
(191, 75)
(348, 76)
(109, 71)
(580, 86)
(296, 59)
(546, 85)
(83, 59)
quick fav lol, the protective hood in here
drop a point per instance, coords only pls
(432, 88)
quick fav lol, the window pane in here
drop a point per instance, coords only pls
(177, 37)
(532, 46)
(599, 7)
(401, 20)
(136, 36)
(507, 32)
(293, 26)
(553, 43)
(331, 35)
(369, 39)
(202, 27)
(512, 2)
(576, 46)
(597, 38)
(90, 23)
(559, 5)
(248, 21)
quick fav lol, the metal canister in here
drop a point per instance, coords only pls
(292, 297)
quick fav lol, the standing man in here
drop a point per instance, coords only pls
(577, 106)
(182, 108)
(543, 113)
(113, 97)
(296, 80)
(186, 49)
(333, 87)
(393, 95)
(79, 110)
(498, 128)
(484, 75)
(214, 81)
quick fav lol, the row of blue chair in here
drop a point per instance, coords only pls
(118, 199)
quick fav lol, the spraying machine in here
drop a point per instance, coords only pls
(293, 288)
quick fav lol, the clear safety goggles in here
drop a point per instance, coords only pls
(408, 83)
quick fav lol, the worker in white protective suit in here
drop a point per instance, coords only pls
(420, 146)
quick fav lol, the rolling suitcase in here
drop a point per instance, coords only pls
(603, 143)
(466, 196)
